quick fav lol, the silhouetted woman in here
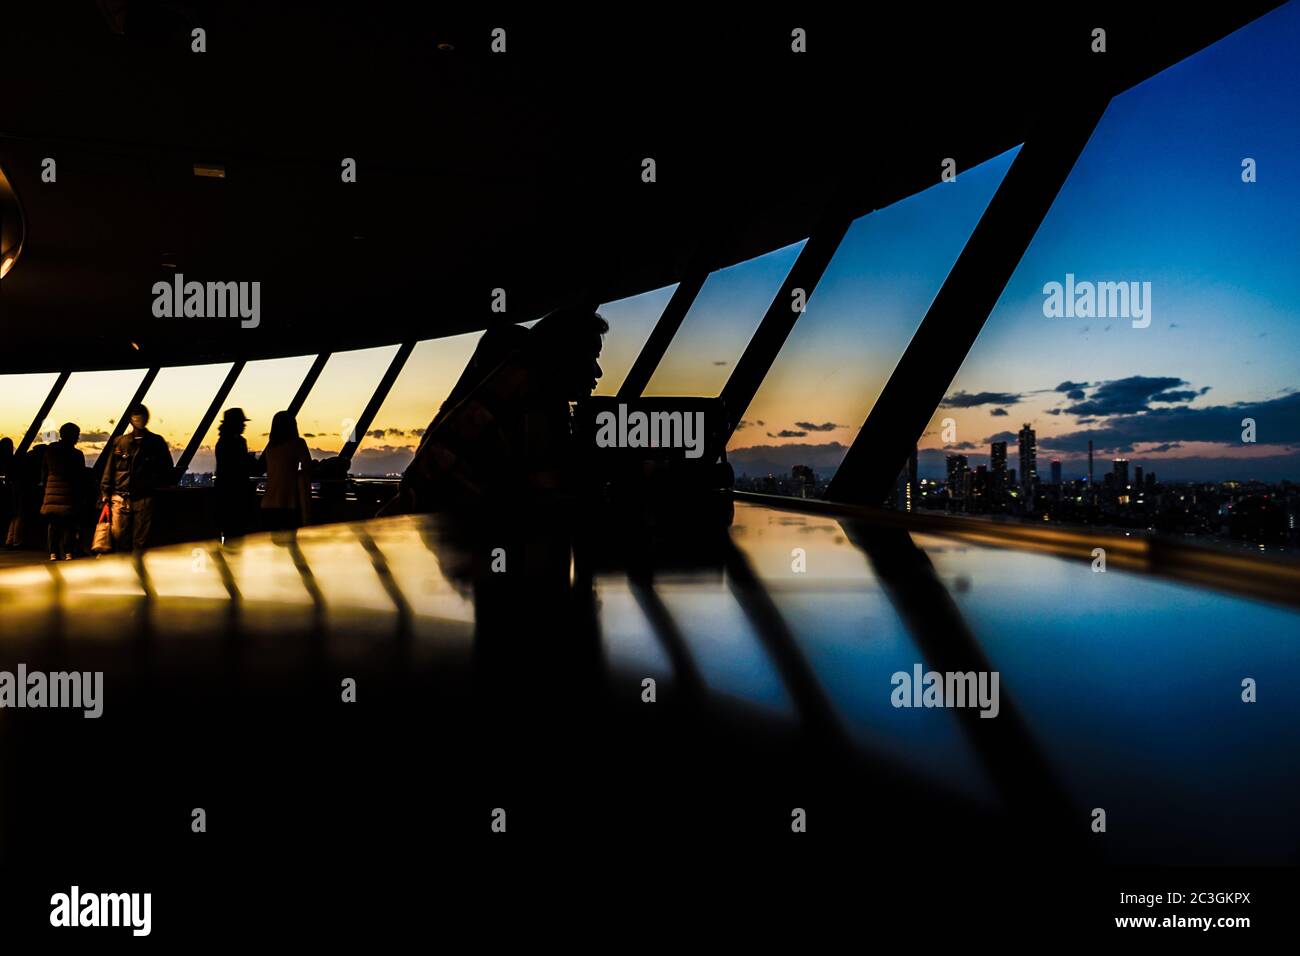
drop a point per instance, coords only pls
(235, 467)
(288, 474)
(63, 473)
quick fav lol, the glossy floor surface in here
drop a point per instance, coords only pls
(505, 664)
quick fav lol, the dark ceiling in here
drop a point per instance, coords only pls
(479, 170)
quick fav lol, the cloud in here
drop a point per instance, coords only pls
(1277, 422)
(744, 423)
(1068, 386)
(972, 399)
(1001, 436)
(823, 427)
(1126, 396)
(787, 433)
(999, 412)
(1184, 396)
(719, 363)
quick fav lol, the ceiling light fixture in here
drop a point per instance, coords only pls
(13, 227)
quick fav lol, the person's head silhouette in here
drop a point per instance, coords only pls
(568, 342)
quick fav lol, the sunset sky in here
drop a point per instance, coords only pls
(1156, 197)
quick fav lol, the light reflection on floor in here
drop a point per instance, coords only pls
(1129, 685)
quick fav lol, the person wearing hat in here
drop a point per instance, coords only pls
(139, 463)
(235, 468)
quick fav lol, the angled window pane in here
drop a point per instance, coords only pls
(1162, 377)
(177, 400)
(856, 325)
(630, 322)
(92, 401)
(264, 387)
(426, 379)
(339, 397)
(720, 323)
(20, 399)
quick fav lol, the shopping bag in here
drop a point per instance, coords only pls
(102, 543)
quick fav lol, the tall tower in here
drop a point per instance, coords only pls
(998, 459)
(1028, 464)
(998, 478)
(1092, 495)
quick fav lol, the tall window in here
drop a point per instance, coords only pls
(426, 379)
(265, 387)
(1154, 314)
(336, 401)
(20, 398)
(631, 321)
(720, 324)
(856, 325)
(93, 401)
(177, 400)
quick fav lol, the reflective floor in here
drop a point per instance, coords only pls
(1117, 690)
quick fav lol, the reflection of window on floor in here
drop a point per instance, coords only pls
(1162, 396)
(20, 399)
(630, 323)
(855, 327)
(720, 323)
(93, 401)
(177, 400)
(339, 396)
(425, 380)
(263, 388)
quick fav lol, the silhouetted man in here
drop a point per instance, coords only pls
(139, 463)
(509, 437)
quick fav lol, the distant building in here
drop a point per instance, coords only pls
(1028, 465)
(998, 478)
(1056, 471)
(958, 469)
(1120, 467)
(906, 489)
(803, 478)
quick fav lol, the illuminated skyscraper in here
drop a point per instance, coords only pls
(1028, 464)
(1120, 467)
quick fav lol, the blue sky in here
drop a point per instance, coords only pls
(1156, 197)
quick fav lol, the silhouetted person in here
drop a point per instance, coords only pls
(7, 507)
(139, 463)
(332, 473)
(287, 461)
(235, 467)
(63, 473)
(25, 479)
(508, 437)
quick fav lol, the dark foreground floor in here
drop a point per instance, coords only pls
(501, 667)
